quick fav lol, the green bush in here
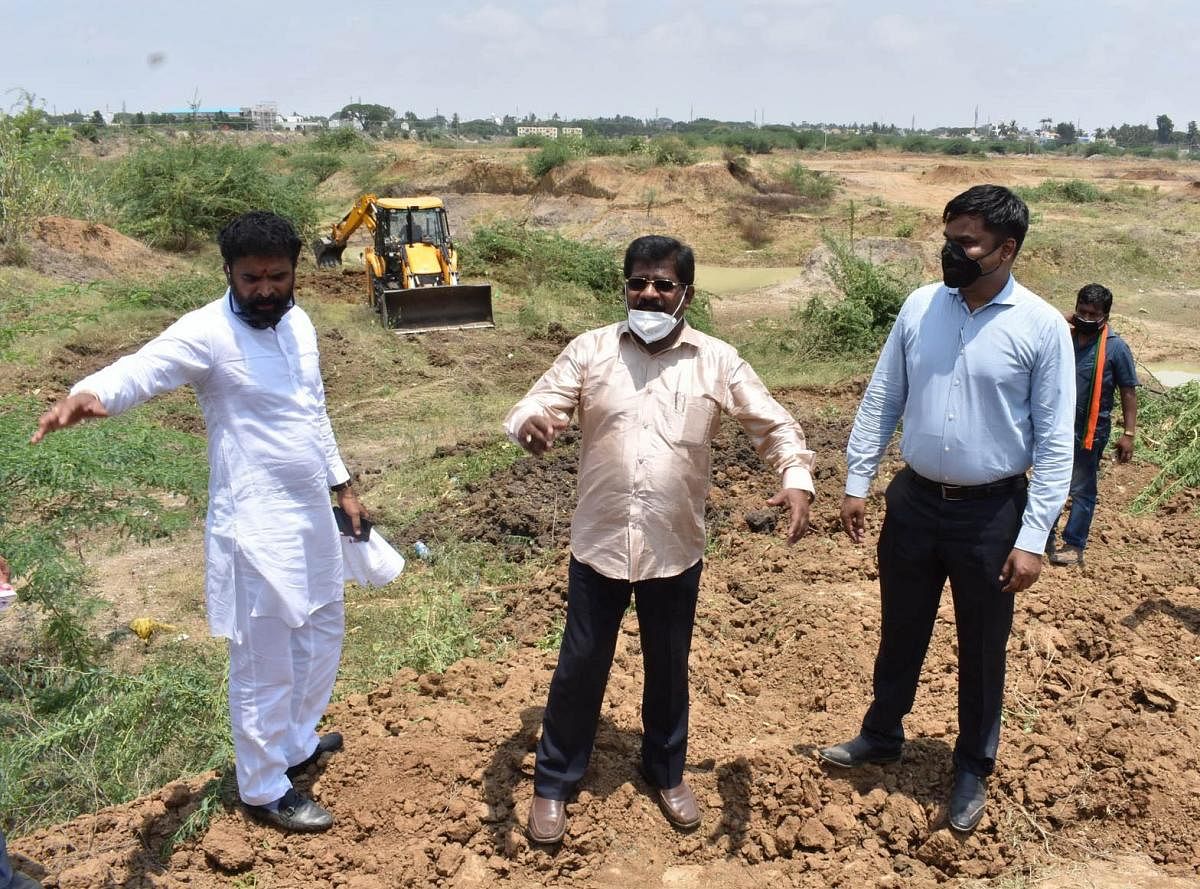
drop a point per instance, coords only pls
(552, 155)
(320, 165)
(1071, 191)
(810, 184)
(518, 253)
(671, 151)
(1169, 437)
(98, 476)
(853, 327)
(175, 195)
(39, 175)
(340, 140)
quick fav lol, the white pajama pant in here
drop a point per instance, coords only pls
(280, 682)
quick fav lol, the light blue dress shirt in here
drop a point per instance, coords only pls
(983, 395)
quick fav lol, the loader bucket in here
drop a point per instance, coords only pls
(327, 253)
(420, 309)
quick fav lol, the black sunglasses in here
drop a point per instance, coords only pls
(661, 285)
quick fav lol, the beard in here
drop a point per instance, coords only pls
(261, 312)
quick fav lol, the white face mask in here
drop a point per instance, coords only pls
(653, 326)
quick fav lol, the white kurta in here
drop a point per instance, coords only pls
(271, 453)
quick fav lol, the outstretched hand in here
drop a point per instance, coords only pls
(798, 502)
(67, 412)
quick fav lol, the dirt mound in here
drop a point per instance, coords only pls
(577, 182)
(487, 176)
(1158, 174)
(1098, 753)
(77, 250)
(945, 173)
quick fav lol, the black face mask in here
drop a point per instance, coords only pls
(959, 270)
(261, 314)
(1089, 327)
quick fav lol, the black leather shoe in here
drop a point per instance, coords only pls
(968, 799)
(293, 812)
(330, 742)
(547, 820)
(858, 751)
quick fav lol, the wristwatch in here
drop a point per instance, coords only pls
(342, 486)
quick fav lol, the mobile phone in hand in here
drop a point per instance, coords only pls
(346, 527)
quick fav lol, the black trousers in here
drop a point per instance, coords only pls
(924, 541)
(666, 610)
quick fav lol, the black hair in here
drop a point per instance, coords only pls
(259, 233)
(654, 248)
(1095, 295)
(1002, 212)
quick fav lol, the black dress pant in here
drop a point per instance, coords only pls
(666, 610)
(925, 540)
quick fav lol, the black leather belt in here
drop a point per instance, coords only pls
(971, 492)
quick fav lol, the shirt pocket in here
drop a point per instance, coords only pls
(695, 419)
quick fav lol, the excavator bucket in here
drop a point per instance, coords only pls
(421, 309)
(327, 253)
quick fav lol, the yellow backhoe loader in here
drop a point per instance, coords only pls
(412, 266)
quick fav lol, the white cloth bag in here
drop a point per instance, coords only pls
(371, 562)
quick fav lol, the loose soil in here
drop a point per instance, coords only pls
(1098, 781)
(75, 250)
(1098, 752)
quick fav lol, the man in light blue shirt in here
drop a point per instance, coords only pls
(982, 373)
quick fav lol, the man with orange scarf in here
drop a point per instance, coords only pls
(1103, 363)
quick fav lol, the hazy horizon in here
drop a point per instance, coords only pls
(776, 61)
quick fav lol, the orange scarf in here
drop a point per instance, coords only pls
(1093, 417)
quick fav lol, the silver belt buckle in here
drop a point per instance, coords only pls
(949, 492)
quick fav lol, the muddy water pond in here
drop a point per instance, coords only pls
(723, 281)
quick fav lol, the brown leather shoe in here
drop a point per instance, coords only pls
(547, 820)
(679, 805)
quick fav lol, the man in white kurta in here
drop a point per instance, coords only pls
(274, 564)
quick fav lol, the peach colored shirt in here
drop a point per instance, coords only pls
(647, 422)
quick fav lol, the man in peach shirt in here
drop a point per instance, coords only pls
(649, 393)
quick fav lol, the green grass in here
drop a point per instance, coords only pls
(1169, 437)
(75, 742)
(426, 619)
(1070, 191)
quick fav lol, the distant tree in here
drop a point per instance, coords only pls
(139, 119)
(1099, 134)
(454, 121)
(1193, 135)
(1165, 129)
(1066, 133)
(97, 119)
(1047, 122)
(1133, 136)
(372, 117)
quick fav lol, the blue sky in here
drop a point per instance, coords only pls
(1097, 62)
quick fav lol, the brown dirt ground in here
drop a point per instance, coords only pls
(75, 250)
(1098, 759)
(1098, 780)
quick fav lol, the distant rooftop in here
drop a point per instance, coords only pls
(185, 111)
